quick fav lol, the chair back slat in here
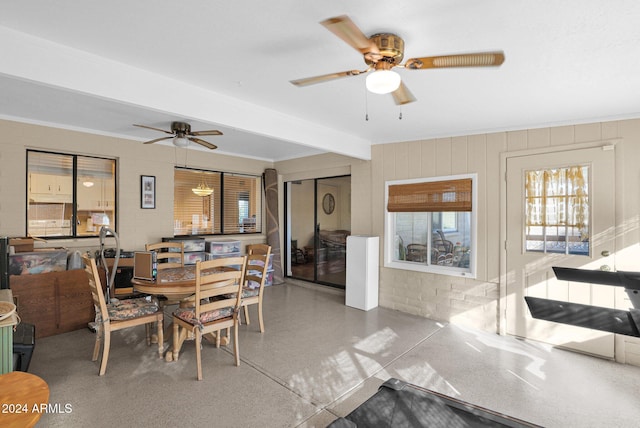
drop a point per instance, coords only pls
(258, 249)
(256, 267)
(164, 253)
(97, 294)
(228, 272)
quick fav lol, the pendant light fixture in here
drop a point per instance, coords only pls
(203, 188)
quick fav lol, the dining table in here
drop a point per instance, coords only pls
(174, 284)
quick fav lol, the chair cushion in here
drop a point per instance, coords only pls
(246, 292)
(189, 315)
(120, 310)
(250, 292)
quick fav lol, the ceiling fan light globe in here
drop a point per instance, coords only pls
(180, 142)
(383, 81)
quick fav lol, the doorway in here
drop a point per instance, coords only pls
(318, 223)
(560, 212)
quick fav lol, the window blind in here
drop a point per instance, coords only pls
(195, 214)
(432, 196)
(242, 203)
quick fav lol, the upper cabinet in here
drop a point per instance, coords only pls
(50, 188)
(96, 194)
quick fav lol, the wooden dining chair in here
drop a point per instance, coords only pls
(217, 304)
(255, 275)
(258, 248)
(168, 254)
(119, 314)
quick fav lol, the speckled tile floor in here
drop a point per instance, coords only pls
(318, 360)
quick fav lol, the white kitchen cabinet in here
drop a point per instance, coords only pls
(51, 188)
(99, 197)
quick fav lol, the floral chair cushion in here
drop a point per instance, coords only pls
(246, 292)
(250, 292)
(189, 315)
(120, 310)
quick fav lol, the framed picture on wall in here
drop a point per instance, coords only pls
(147, 191)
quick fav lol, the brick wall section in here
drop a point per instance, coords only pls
(445, 298)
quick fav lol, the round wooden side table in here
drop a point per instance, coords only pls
(23, 399)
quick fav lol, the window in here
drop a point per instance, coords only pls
(430, 225)
(243, 206)
(208, 203)
(557, 210)
(62, 188)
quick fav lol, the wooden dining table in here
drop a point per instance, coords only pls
(175, 284)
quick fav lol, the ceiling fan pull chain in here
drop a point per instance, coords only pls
(366, 105)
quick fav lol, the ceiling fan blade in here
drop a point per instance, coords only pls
(326, 77)
(482, 59)
(157, 139)
(403, 95)
(155, 129)
(211, 132)
(206, 144)
(343, 27)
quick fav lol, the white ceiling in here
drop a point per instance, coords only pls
(100, 66)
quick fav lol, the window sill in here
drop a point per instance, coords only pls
(439, 270)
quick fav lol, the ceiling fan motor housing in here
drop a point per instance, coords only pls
(391, 47)
(180, 128)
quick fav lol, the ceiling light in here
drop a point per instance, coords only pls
(88, 183)
(202, 190)
(180, 141)
(383, 81)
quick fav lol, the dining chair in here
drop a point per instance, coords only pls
(258, 248)
(217, 303)
(119, 314)
(255, 275)
(168, 254)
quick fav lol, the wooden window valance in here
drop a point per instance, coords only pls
(432, 196)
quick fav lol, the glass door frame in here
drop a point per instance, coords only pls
(317, 205)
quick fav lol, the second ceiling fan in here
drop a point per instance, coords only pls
(181, 134)
(384, 51)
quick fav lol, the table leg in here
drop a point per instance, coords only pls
(213, 338)
(179, 335)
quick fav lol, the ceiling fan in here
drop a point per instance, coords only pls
(384, 51)
(182, 134)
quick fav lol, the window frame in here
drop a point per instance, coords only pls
(74, 195)
(220, 200)
(389, 232)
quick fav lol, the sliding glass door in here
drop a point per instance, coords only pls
(319, 221)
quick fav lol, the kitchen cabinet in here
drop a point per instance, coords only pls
(99, 197)
(55, 302)
(50, 188)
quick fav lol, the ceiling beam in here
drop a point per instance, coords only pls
(38, 60)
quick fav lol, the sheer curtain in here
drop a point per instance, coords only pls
(558, 198)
